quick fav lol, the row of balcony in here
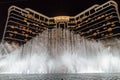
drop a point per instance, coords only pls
(90, 20)
(101, 36)
(98, 30)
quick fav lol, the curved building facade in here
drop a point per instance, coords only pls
(98, 22)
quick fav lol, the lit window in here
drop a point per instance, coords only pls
(105, 28)
(99, 17)
(97, 30)
(91, 30)
(95, 34)
(25, 19)
(15, 32)
(103, 16)
(12, 27)
(102, 34)
(107, 18)
(11, 35)
(110, 16)
(113, 25)
(107, 23)
(106, 35)
(109, 29)
(111, 34)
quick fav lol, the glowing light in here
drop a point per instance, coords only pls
(61, 18)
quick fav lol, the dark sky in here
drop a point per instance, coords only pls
(48, 7)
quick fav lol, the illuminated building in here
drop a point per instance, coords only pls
(97, 22)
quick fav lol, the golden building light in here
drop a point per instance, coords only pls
(30, 31)
(107, 18)
(26, 35)
(89, 19)
(23, 32)
(105, 28)
(113, 25)
(97, 30)
(102, 34)
(95, 34)
(103, 16)
(103, 25)
(90, 30)
(25, 19)
(109, 29)
(111, 34)
(106, 14)
(107, 23)
(33, 33)
(29, 16)
(28, 23)
(11, 35)
(110, 16)
(99, 17)
(82, 33)
(15, 32)
(112, 22)
(12, 27)
(106, 35)
(26, 40)
(61, 18)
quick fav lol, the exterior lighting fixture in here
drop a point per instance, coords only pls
(61, 18)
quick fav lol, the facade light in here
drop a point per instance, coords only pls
(61, 18)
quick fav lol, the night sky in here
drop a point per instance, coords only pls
(48, 7)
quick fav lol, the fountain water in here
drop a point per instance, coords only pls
(61, 51)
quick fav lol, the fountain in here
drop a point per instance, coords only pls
(58, 53)
(61, 51)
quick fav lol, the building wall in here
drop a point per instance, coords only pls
(100, 22)
(22, 25)
(97, 22)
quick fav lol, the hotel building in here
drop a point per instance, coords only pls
(98, 22)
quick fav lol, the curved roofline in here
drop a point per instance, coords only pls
(92, 7)
(36, 12)
(13, 6)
